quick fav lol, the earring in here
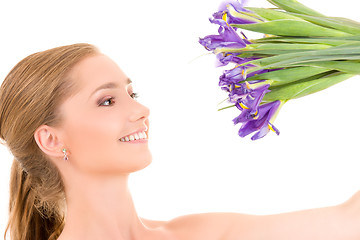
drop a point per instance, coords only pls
(65, 154)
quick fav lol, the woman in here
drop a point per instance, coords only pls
(70, 119)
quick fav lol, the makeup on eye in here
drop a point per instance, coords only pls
(108, 99)
(111, 100)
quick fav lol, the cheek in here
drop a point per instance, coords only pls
(94, 145)
(96, 128)
(92, 138)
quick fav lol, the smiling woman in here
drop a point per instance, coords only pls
(55, 105)
(111, 113)
(69, 117)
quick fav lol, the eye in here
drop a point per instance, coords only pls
(107, 102)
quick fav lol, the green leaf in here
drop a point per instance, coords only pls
(295, 7)
(230, 106)
(287, 75)
(339, 24)
(304, 87)
(346, 21)
(291, 27)
(343, 52)
(319, 40)
(351, 67)
(273, 48)
(285, 46)
(271, 14)
(245, 15)
(303, 61)
(354, 37)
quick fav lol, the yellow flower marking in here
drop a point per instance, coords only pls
(243, 105)
(271, 128)
(224, 17)
(244, 73)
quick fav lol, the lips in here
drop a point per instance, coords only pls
(134, 136)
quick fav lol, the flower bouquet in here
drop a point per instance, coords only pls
(301, 52)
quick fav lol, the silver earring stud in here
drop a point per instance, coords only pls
(65, 154)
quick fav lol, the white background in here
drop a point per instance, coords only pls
(199, 162)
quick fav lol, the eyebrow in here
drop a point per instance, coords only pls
(109, 85)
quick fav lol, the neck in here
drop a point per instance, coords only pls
(101, 208)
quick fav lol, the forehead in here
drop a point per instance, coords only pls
(96, 70)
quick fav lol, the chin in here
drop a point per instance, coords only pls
(143, 164)
(139, 163)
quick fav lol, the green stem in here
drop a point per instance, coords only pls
(226, 107)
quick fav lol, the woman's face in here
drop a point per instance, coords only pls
(102, 120)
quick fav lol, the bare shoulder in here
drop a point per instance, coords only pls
(210, 226)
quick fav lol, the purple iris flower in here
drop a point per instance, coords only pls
(238, 6)
(246, 97)
(233, 76)
(223, 16)
(227, 38)
(239, 73)
(261, 124)
(223, 59)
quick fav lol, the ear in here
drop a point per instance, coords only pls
(48, 140)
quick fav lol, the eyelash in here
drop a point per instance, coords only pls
(132, 95)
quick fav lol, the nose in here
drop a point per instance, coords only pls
(138, 112)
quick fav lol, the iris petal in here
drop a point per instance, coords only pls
(262, 124)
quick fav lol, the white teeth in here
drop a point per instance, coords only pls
(135, 136)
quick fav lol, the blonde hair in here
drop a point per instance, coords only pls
(30, 96)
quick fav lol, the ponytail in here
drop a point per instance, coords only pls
(27, 221)
(30, 96)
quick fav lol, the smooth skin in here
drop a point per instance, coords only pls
(99, 204)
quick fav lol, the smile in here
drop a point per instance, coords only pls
(134, 137)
